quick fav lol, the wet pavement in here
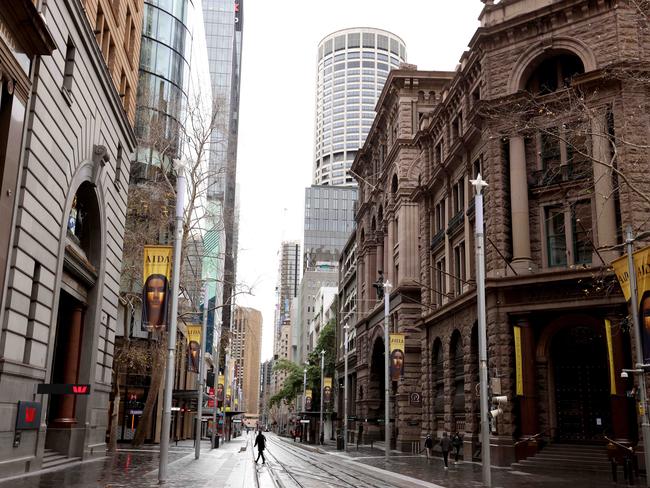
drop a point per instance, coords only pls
(228, 466)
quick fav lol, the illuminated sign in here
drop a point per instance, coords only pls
(28, 416)
(62, 389)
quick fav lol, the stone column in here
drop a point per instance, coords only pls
(618, 398)
(528, 401)
(65, 416)
(521, 259)
(380, 253)
(603, 190)
(390, 253)
(361, 277)
(409, 268)
(371, 277)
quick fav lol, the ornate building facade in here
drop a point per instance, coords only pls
(550, 107)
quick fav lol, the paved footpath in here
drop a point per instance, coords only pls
(230, 466)
(431, 472)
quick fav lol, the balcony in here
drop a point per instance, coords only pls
(455, 222)
(578, 170)
(437, 239)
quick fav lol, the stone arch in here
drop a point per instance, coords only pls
(394, 184)
(437, 384)
(457, 372)
(86, 255)
(528, 59)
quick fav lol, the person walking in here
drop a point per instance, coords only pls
(457, 443)
(260, 442)
(428, 445)
(445, 446)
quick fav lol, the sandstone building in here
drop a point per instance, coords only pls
(550, 105)
(69, 71)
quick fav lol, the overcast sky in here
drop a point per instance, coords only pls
(277, 110)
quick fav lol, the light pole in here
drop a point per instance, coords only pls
(478, 184)
(216, 380)
(387, 287)
(226, 380)
(304, 403)
(346, 327)
(645, 422)
(171, 337)
(199, 408)
(322, 382)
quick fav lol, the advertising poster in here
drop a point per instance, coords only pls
(642, 267)
(156, 278)
(193, 347)
(327, 390)
(396, 356)
(220, 381)
(308, 397)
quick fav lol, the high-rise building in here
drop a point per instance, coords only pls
(353, 65)
(288, 282)
(246, 350)
(329, 220)
(224, 22)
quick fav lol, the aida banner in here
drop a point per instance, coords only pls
(327, 390)
(396, 356)
(642, 268)
(308, 397)
(228, 398)
(220, 381)
(156, 277)
(193, 347)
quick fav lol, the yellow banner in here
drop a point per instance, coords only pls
(308, 397)
(610, 355)
(327, 390)
(194, 333)
(642, 266)
(220, 388)
(518, 363)
(156, 277)
(228, 398)
(193, 347)
(396, 356)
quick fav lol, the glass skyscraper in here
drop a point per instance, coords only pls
(224, 22)
(353, 65)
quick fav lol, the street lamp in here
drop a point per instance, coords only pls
(478, 184)
(322, 383)
(304, 402)
(171, 338)
(387, 287)
(199, 409)
(346, 327)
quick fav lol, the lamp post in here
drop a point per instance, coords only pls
(387, 287)
(346, 327)
(322, 382)
(199, 409)
(645, 422)
(304, 402)
(478, 184)
(216, 381)
(171, 337)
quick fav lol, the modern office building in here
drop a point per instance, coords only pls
(353, 65)
(329, 220)
(66, 142)
(288, 282)
(224, 22)
(246, 350)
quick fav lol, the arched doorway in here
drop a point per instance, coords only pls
(438, 386)
(580, 384)
(75, 336)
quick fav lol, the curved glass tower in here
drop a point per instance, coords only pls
(353, 65)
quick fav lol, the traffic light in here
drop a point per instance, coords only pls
(499, 401)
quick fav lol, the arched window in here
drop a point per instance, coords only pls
(393, 185)
(458, 381)
(554, 73)
(83, 223)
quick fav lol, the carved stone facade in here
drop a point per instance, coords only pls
(549, 106)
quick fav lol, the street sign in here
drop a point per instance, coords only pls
(304, 421)
(135, 412)
(62, 389)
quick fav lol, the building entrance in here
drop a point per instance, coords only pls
(582, 403)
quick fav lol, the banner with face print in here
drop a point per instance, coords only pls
(220, 382)
(396, 356)
(308, 397)
(327, 391)
(193, 347)
(156, 278)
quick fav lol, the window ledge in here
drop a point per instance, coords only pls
(67, 95)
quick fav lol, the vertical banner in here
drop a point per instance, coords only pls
(156, 276)
(193, 347)
(220, 381)
(610, 356)
(396, 356)
(642, 268)
(228, 399)
(327, 390)
(211, 400)
(519, 377)
(308, 397)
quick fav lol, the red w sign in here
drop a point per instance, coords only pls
(29, 416)
(79, 389)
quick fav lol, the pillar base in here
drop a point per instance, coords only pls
(521, 266)
(502, 450)
(63, 423)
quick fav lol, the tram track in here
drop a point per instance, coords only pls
(331, 472)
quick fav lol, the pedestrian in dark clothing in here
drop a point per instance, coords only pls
(428, 445)
(457, 443)
(322, 438)
(359, 435)
(445, 446)
(260, 442)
